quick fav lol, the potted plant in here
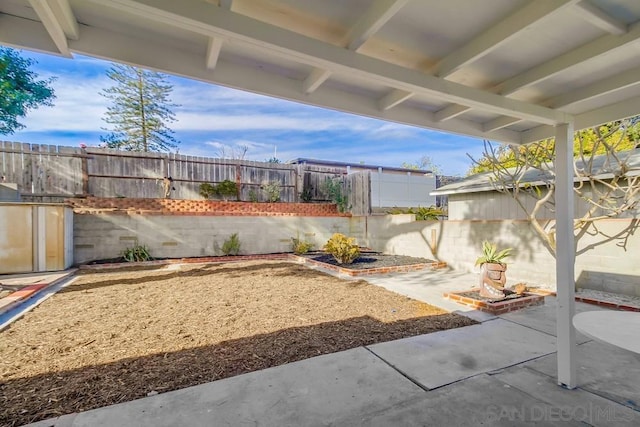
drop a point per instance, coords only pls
(492, 270)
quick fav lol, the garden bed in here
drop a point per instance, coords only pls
(372, 263)
(113, 336)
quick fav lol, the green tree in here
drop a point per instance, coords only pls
(619, 135)
(425, 163)
(140, 112)
(20, 90)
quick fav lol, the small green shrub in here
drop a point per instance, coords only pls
(253, 196)
(333, 188)
(428, 214)
(231, 246)
(307, 194)
(344, 249)
(227, 189)
(207, 190)
(422, 214)
(300, 247)
(137, 253)
(272, 190)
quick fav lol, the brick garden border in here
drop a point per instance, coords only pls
(198, 260)
(281, 256)
(371, 271)
(496, 308)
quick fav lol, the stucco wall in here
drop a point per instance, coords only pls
(492, 205)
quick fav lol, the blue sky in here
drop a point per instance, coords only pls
(212, 117)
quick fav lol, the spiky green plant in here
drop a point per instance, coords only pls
(490, 254)
(231, 246)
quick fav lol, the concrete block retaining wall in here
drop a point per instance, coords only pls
(612, 267)
(609, 267)
(106, 235)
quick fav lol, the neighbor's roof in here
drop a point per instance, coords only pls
(331, 163)
(504, 70)
(602, 166)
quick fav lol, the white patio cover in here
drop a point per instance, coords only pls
(514, 71)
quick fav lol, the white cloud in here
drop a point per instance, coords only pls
(393, 131)
(77, 107)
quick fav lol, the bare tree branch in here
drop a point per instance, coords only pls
(605, 180)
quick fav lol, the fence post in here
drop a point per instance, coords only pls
(85, 172)
(238, 179)
(296, 192)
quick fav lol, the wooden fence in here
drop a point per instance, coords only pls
(45, 172)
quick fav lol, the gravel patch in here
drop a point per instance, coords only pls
(619, 299)
(370, 260)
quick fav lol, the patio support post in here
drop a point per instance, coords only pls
(565, 256)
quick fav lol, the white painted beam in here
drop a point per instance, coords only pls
(158, 55)
(623, 80)
(371, 21)
(538, 133)
(199, 17)
(620, 110)
(314, 80)
(213, 52)
(50, 21)
(499, 123)
(66, 18)
(226, 4)
(27, 34)
(576, 57)
(600, 18)
(498, 33)
(450, 111)
(565, 256)
(393, 98)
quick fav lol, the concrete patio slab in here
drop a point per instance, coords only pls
(317, 391)
(440, 358)
(480, 400)
(430, 287)
(543, 317)
(604, 370)
(579, 404)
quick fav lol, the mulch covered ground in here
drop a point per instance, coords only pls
(111, 337)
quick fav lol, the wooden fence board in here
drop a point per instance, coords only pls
(44, 171)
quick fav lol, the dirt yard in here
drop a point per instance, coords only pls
(112, 337)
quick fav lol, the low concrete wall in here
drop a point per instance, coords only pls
(610, 267)
(103, 236)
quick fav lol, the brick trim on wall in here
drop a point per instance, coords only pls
(92, 205)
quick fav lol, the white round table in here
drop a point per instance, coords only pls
(619, 328)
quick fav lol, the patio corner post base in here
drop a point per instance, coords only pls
(565, 257)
